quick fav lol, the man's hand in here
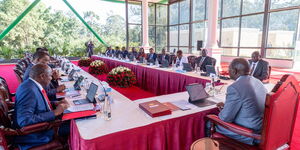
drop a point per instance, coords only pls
(55, 74)
(60, 88)
(61, 108)
(56, 103)
(220, 105)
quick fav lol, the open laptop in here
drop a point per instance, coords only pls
(187, 67)
(77, 83)
(70, 76)
(198, 95)
(90, 97)
(210, 69)
(164, 64)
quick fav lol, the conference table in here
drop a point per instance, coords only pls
(159, 81)
(131, 128)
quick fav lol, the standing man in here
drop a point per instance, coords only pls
(90, 48)
(245, 101)
(258, 67)
(204, 60)
(33, 106)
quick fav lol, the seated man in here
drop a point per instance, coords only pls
(163, 56)
(124, 52)
(133, 53)
(244, 103)
(204, 60)
(53, 62)
(53, 88)
(180, 59)
(117, 52)
(109, 52)
(33, 106)
(151, 57)
(259, 67)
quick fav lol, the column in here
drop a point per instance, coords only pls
(212, 44)
(145, 27)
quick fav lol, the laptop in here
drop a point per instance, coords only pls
(210, 69)
(198, 95)
(164, 64)
(187, 67)
(77, 83)
(90, 97)
(141, 60)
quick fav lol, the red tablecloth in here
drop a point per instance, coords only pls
(159, 82)
(173, 134)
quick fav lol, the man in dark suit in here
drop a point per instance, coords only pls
(245, 99)
(110, 52)
(33, 106)
(204, 60)
(258, 67)
(53, 88)
(151, 57)
(133, 54)
(163, 56)
(124, 52)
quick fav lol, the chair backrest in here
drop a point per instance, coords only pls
(5, 119)
(280, 113)
(19, 75)
(214, 61)
(172, 58)
(270, 69)
(3, 83)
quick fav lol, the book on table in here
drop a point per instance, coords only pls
(155, 108)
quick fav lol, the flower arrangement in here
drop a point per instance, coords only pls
(84, 61)
(122, 77)
(98, 67)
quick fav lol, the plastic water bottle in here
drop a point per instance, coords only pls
(107, 109)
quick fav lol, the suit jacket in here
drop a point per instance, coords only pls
(261, 71)
(124, 53)
(153, 57)
(27, 71)
(207, 61)
(160, 57)
(31, 108)
(244, 106)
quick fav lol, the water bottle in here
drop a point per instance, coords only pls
(107, 109)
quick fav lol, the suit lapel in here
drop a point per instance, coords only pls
(41, 95)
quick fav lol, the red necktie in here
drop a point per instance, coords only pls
(47, 99)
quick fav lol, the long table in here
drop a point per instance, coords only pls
(131, 128)
(159, 81)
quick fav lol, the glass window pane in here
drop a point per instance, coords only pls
(173, 35)
(284, 3)
(184, 35)
(251, 6)
(280, 53)
(251, 32)
(152, 36)
(230, 51)
(230, 32)
(198, 9)
(246, 52)
(161, 14)
(198, 34)
(161, 36)
(151, 14)
(185, 50)
(173, 50)
(135, 35)
(135, 13)
(282, 28)
(231, 8)
(174, 13)
(184, 11)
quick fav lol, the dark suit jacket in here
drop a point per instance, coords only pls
(261, 71)
(27, 71)
(160, 57)
(244, 99)
(31, 108)
(207, 61)
(153, 57)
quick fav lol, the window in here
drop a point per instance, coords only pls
(251, 31)
(184, 35)
(184, 11)
(198, 9)
(161, 14)
(173, 35)
(284, 3)
(231, 8)
(230, 32)
(251, 6)
(199, 34)
(135, 34)
(134, 13)
(151, 14)
(174, 13)
(161, 38)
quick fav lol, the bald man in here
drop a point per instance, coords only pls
(204, 60)
(245, 99)
(33, 106)
(258, 67)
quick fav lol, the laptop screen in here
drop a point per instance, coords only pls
(71, 74)
(92, 92)
(210, 69)
(196, 92)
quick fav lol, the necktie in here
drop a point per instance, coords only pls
(252, 69)
(201, 61)
(47, 99)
